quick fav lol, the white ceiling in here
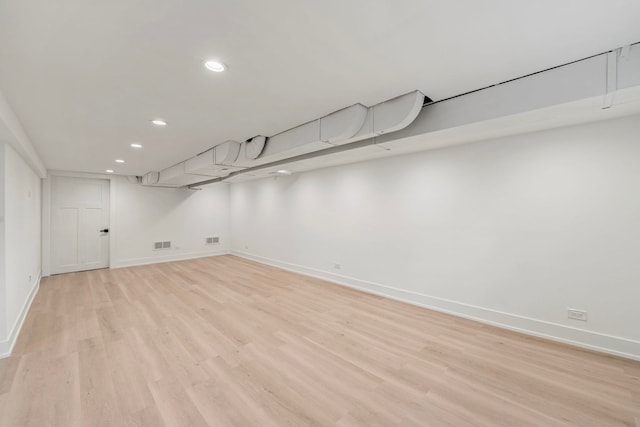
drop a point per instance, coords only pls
(86, 76)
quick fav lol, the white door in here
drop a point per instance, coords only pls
(79, 224)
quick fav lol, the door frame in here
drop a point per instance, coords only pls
(47, 217)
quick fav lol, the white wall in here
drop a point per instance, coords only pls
(185, 217)
(511, 231)
(142, 215)
(22, 241)
(3, 289)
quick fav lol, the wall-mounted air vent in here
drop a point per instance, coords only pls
(161, 245)
(212, 240)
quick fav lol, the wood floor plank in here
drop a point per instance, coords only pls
(126, 374)
(148, 417)
(152, 363)
(8, 369)
(99, 402)
(174, 404)
(227, 342)
(61, 392)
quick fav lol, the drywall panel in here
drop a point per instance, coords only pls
(3, 289)
(22, 239)
(145, 215)
(512, 231)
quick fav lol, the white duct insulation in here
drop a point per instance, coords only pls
(250, 150)
(601, 87)
(150, 178)
(218, 161)
(580, 92)
(350, 124)
(342, 127)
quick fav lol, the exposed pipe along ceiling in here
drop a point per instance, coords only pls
(595, 88)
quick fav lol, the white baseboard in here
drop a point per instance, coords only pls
(168, 258)
(579, 337)
(6, 346)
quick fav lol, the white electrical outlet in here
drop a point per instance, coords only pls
(336, 266)
(572, 313)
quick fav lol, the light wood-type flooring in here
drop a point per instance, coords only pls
(223, 341)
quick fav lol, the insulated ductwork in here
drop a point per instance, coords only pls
(150, 178)
(250, 150)
(341, 127)
(596, 88)
(600, 87)
(218, 161)
(176, 176)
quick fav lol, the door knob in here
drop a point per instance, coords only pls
(106, 230)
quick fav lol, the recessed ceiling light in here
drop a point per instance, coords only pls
(136, 145)
(215, 66)
(109, 171)
(119, 161)
(284, 172)
(159, 122)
